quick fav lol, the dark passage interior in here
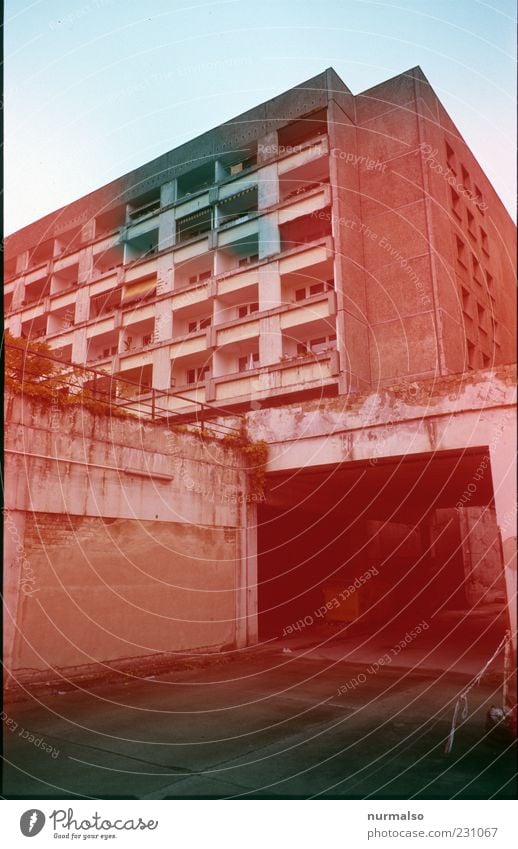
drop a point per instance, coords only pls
(361, 545)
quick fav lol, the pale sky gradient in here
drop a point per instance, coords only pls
(95, 88)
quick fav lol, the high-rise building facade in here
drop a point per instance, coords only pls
(318, 244)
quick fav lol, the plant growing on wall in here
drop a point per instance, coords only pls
(255, 455)
(32, 370)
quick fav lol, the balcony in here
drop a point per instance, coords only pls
(145, 206)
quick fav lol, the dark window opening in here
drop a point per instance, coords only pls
(305, 129)
(196, 180)
(194, 225)
(307, 228)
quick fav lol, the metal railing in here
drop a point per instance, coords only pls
(113, 391)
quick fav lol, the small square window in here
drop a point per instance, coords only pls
(455, 202)
(472, 355)
(479, 200)
(461, 251)
(316, 288)
(300, 294)
(205, 322)
(477, 271)
(450, 157)
(192, 327)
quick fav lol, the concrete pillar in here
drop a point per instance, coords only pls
(161, 369)
(163, 321)
(166, 229)
(270, 295)
(252, 574)
(165, 274)
(502, 453)
(79, 346)
(22, 262)
(14, 324)
(246, 589)
(86, 265)
(18, 293)
(269, 236)
(270, 340)
(268, 186)
(88, 231)
(82, 305)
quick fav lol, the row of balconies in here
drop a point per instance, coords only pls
(191, 385)
(231, 286)
(293, 232)
(229, 194)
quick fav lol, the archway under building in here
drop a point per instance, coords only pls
(363, 552)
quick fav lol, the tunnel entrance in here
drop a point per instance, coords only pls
(362, 547)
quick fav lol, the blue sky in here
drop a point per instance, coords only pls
(95, 88)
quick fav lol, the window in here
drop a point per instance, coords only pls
(198, 375)
(465, 298)
(472, 355)
(479, 200)
(450, 158)
(144, 205)
(198, 278)
(247, 260)
(196, 180)
(471, 224)
(455, 203)
(465, 177)
(461, 251)
(249, 362)
(486, 361)
(317, 346)
(305, 129)
(490, 281)
(484, 241)
(108, 352)
(199, 324)
(247, 309)
(314, 289)
(477, 271)
(147, 339)
(191, 226)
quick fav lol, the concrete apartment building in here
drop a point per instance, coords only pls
(337, 269)
(320, 243)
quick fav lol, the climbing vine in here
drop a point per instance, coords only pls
(255, 454)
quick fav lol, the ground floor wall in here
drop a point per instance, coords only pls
(100, 590)
(123, 541)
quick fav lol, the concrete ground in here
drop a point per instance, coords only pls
(283, 720)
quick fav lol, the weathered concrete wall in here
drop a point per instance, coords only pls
(123, 540)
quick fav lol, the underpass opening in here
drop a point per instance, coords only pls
(369, 549)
